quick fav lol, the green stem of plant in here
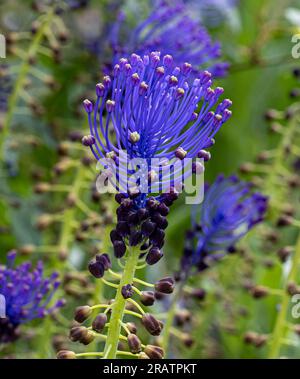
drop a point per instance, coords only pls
(280, 325)
(20, 80)
(111, 346)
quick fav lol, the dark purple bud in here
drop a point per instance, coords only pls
(127, 291)
(126, 203)
(119, 249)
(104, 259)
(66, 354)
(134, 343)
(77, 333)
(142, 214)
(148, 227)
(147, 298)
(151, 324)
(165, 285)
(153, 256)
(203, 154)
(87, 338)
(160, 220)
(88, 140)
(152, 203)
(123, 228)
(88, 106)
(154, 352)
(180, 153)
(119, 197)
(133, 217)
(131, 327)
(163, 209)
(114, 236)
(182, 316)
(158, 236)
(135, 238)
(96, 269)
(159, 295)
(99, 322)
(82, 313)
(198, 293)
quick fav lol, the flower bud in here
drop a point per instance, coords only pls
(165, 285)
(204, 155)
(135, 238)
(259, 291)
(119, 249)
(182, 316)
(134, 343)
(88, 106)
(82, 313)
(153, 256)
(188, 340)
(131, 327)
(127, 291)
(180, 153)
(123, 228)
(99, 322)
(77, 333)
(134, 137)
(104, 259)
(148, 227)
(96, 269)
(151, 324)
(154, 352)
(87, 338)
(163, 209)
(284, 253)
(66, 354)
(88, 140)
(198, 293)
(147, 298)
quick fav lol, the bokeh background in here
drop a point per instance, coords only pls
(43, 80)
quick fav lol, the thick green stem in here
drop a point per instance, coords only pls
(111, 346)
(281, 322)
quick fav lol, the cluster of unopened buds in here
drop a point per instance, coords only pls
(153, 326)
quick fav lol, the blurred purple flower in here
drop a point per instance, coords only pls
(230, 209)
(27, 295)
(170, 29)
